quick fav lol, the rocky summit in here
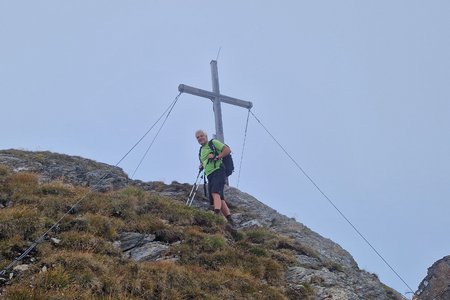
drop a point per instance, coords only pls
(137, 240)
(436, 285)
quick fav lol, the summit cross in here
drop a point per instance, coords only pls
(217, 98)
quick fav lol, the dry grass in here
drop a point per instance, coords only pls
(214, 262)
(19, 221)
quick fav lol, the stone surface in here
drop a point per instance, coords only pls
(436, 285)
(148, 251)
(55, 241)
(250, 224)
(130, 240)
(140, 247)
(71, 169)
(21, 268)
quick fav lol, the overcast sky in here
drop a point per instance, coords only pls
(357, 92)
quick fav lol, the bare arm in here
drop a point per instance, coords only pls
(225, 151)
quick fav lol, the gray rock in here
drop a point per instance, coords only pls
(309, 262)
(71, 169)
(130, 240)
(55, 241)
(436, 285)
(139, 247)
(21, 268)
(250, 224)
(148, 251)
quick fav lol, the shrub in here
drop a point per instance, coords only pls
(258, 251)
(53, 206)
(285, 257)
(260, 235)
(19, 221)
(286, 243)
(11, 247)
(4, 170)
(167, 209)
(132, 192)
(23, 184)
(77, 268)
(334, 266)
(170, 234)
(56, 188)
(144, 224)
(212, 243)
(97, 225)
(102, 226)
(85, 242)
(208, 219)
(18, 292)
(302, 291)
(55, 278)
(96, 203)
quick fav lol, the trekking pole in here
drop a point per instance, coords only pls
(193, 190)
(194, 194)
(193, 187)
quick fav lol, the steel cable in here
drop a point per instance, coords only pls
(41, 238)
(331, 202)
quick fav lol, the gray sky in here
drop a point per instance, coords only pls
(357, 91)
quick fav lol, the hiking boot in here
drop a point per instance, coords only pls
(230, 220)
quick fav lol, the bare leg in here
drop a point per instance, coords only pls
(217, 201)
(225, 209)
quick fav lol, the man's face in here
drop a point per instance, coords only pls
(202, 139)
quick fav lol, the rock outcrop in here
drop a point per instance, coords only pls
(72, 169)
(436, 285)
(139, 247)
(323, 269)
(330, 270)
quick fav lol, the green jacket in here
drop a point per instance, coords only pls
(211, 165)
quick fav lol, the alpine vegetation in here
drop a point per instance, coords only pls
(128, 239)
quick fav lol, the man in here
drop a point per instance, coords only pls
(215, 171)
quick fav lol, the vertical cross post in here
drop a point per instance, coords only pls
(217, 98)
(217, 106)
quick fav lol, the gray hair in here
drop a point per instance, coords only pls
(200, 131)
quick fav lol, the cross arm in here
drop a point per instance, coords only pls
(210, 95)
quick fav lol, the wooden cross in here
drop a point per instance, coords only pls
(216, 98)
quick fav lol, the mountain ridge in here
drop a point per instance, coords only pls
(321, 268)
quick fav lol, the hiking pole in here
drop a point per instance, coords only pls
(194, 189)
(195, 193)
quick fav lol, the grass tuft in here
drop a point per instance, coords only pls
(213, 262)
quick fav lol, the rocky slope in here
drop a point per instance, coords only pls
(436, 285)
(321, 268)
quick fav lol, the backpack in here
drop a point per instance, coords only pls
(227, 160)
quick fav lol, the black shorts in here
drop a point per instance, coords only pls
(216, 183)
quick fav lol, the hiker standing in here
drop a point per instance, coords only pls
(215, 171)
